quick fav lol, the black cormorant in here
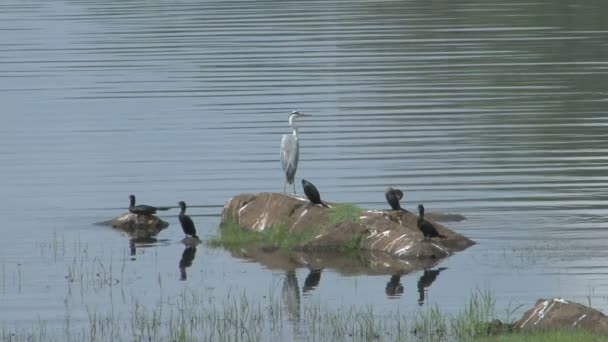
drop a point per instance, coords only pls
(312, 193)
(426, 227)
(143, 209)
(186, 221)
(393, 196)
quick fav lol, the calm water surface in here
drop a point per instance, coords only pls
(495, 110)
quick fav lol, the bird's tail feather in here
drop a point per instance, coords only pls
(196, 236)
(163, 208)
(442, 236)
(325, 205)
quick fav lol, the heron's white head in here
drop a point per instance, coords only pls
(294, 115)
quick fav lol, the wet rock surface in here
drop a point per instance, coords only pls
(391, 239)
(559, 314)
(137, 226)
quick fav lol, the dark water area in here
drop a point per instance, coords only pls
(490, 109)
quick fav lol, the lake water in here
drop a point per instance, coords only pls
(491, 109)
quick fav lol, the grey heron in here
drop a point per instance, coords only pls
(143, 209)
(393, 196)
(186, 221)
(290, 151)
(426, 227)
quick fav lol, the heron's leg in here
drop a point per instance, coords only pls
(294, 187)
(284, 186)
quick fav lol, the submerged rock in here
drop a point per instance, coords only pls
(392, 237)
(190, 241)
(137, 226)
(559, 314)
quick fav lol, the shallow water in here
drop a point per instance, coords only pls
(493, 110)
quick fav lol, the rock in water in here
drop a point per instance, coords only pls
(390, 232)
(137, 226)
(559, 314)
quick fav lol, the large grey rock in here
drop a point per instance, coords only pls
(137, 226)
(387, 235)
(558, 313)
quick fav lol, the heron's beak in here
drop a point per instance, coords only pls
(304, 114)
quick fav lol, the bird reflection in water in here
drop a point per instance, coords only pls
(186, 261)
(291, 296)
(312, 281)
(139, 242)
(394, 288)
(425, 281)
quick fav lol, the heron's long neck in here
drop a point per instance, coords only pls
(292, 124)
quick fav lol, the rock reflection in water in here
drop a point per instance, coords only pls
(425, 281)
(394, 288)
(312, 281)
(186, 261)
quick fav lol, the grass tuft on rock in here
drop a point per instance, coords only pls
(344, 212)
(279, 236)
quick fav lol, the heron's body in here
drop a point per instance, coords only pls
(312, 193)
(427, 228)
(142, 209)
(290, 152)
(186, 221)
(393, 196)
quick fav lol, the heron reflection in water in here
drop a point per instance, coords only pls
(425, 281)
(290, 152)
(186, 261)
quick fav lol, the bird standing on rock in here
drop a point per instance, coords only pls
(186, 221)
(393, 196)
(312, 193)
(427, 228)
(143, 209)
(290, 151)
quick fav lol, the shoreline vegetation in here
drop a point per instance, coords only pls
(193, 315)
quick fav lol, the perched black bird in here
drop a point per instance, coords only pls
(143, 209)
(425, 281)
(312, 280)
(393, 196)
(186, 261)
(426, 227)
(312, 193)
(186, 221)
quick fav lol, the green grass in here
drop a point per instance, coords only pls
(546, 336)
(279, 236)
(344, 212)
(198, 315)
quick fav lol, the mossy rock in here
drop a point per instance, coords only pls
(341, 227)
